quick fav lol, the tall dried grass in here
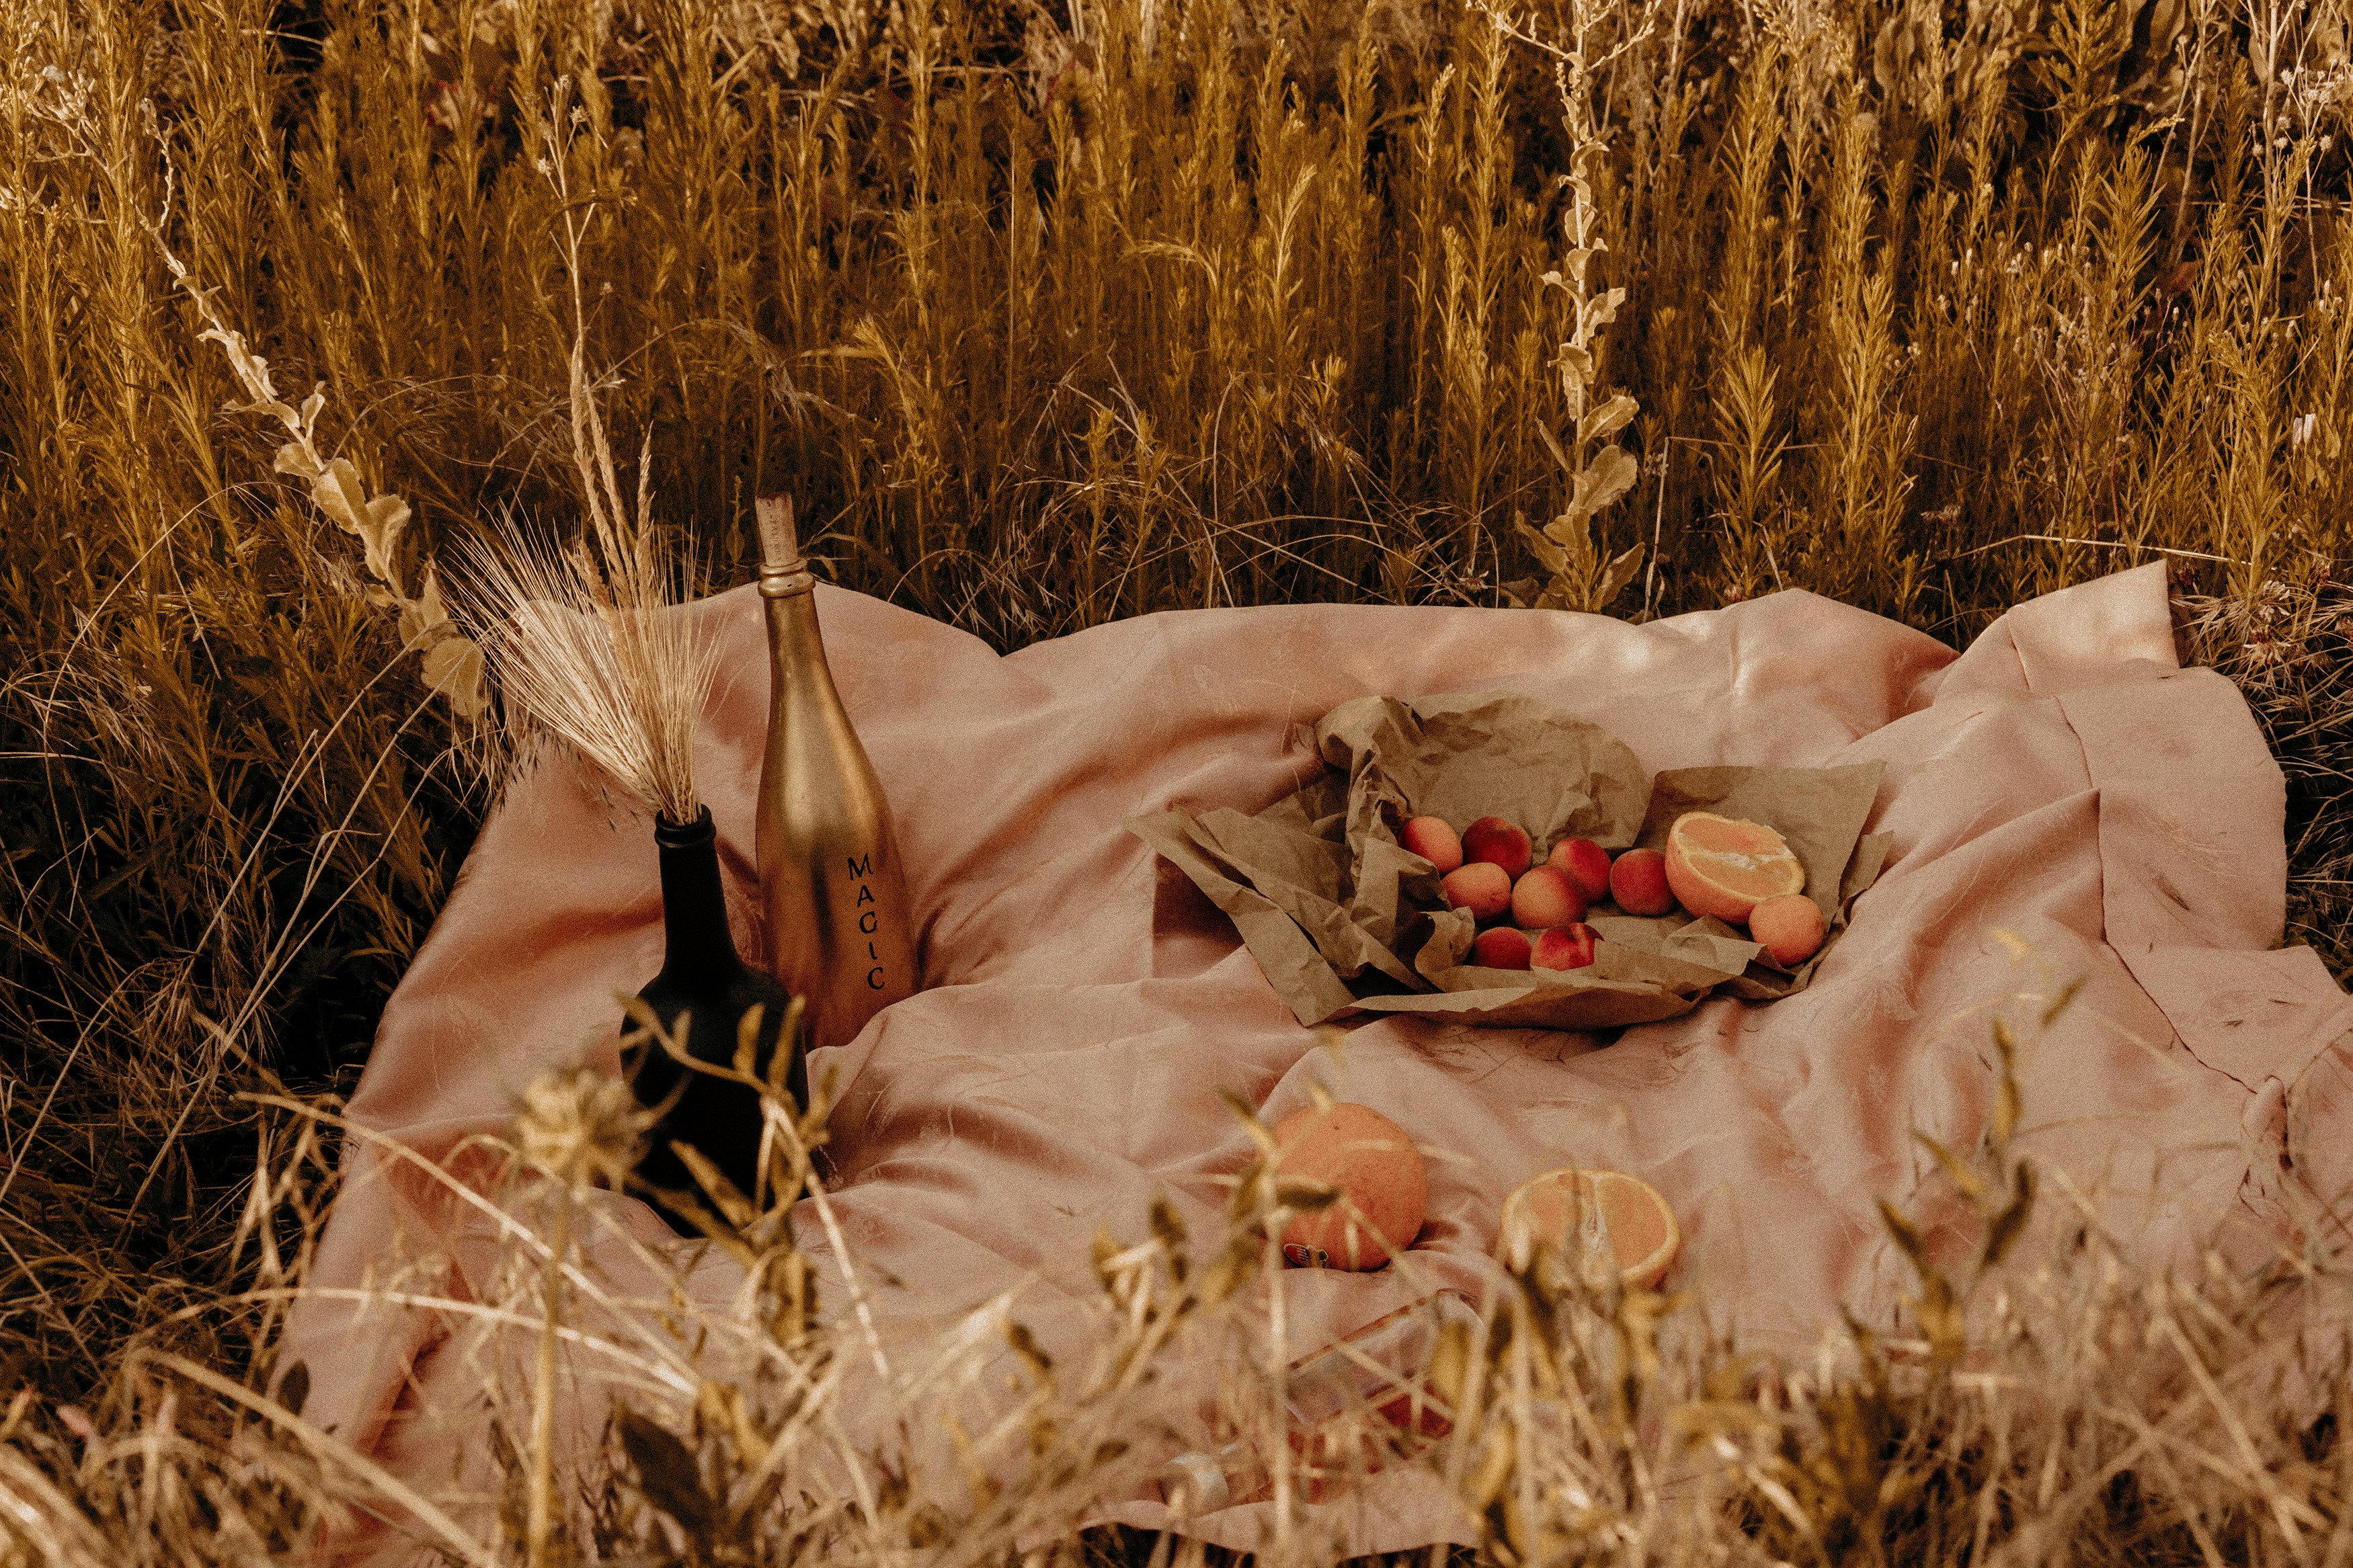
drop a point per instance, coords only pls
(1053, 316)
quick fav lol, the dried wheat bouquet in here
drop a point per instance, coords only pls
(584, 640)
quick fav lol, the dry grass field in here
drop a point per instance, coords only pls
(1052, 314)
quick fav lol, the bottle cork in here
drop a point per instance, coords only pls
(780, 546)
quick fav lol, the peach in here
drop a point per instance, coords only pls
(1482, 887)
(1546, 897)
(1498, 843)
(1383, 1182)
(1501, 947)
(1587, 863)
(1638, 881)
(1790, 927)
(1432, 839)
(1565, 947)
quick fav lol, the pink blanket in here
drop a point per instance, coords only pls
(2062, 780)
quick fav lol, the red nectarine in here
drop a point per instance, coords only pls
(1638, 881)
(1587, 863)
(1565, 947)
(1497, 842)
(1502, 947)
(1546, 897)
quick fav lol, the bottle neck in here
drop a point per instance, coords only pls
(795, 646)
(699, 947)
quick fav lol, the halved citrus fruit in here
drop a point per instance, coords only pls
(1725, 867)
(1592, 1219)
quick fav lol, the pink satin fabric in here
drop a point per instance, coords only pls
(2062, 780)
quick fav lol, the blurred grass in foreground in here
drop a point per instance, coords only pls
(1049, 318)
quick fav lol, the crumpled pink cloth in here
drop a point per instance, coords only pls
(2062, 780)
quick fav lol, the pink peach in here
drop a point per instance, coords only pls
(1436, 842)
(1587, 863)
(1638, 881)
(1790, 927)
(1502, 947)
(1479, 886)
(1499, 843)
(1565, 947)
(1546, 897)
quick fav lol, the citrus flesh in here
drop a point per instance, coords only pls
(1725, 867)
(1594, 1219)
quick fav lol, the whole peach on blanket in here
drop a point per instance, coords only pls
(1382, 1181)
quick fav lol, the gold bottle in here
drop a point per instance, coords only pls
(831, 876)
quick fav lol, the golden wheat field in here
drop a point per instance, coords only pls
(1057, 314)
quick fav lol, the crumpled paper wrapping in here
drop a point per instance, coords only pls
(1343, 920)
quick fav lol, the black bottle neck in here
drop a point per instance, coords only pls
(699, 948)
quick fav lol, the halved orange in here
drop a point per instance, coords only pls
(1725, 867)
(1592, 1219)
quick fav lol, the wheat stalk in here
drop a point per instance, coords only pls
(583, 638)
(584, 647)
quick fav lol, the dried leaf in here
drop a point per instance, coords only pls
(715, 1183)
(2011, 1222)
(667, 1472)
(1576, 368)
(339, 493)
(425, 617)
(1941, 1318)
(1559, 453)
(453, 669)
(1610, 475)
(1024, 1345)
(1495, 1466)
(1968, 1183)
(1616, 577)
(1305, 1194)
(2006, 1106)
(1907, 1234)
(1553, 559)
(296, 458)
(381, 523)
(294, 1388)
(1246, 1114)
(1601, 423)
(1231, 1269)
